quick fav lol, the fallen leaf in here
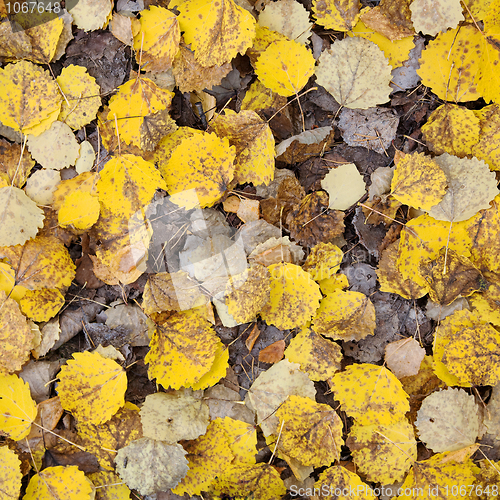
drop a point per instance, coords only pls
(344, 185)
(343, 478)
(272, 353)
(432, 17)
(11, 475)
(404, 357)
(90, 15)
(339, 15)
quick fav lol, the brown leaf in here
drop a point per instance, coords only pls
(252, 337)
(272, 353)
(290, 193)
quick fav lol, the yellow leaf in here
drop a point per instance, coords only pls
(310, 432)
(8, 283)
(336, 282)
(471, 187)
(91, 387)
(150, 466)
(260, 481)
(264, 37)
(198, 170)
(10, 474)
(392, 18)
(17, 409)
(41, 263)
(270, 390)
(383, 453)
(397, 51)
(67, 482)
(16, 170)
(253, 142)
(173, 417)
(242, 439)
(318, 357)
(456, 322)
(90, 15)
(135, 100)
(157, 42)
(79, 209)
(182, 349)
(431, 17)
(487, 148)
(285, 67)
(338, 482)
(109, 486)
(20, 218)
(208, 456)
(345, 315)
(126, 184)
(288, 17)
(217, 371)
(42, 185)
(371, 394)
(422, 239)
(356, 72)
(344, 185)
(30, 100)
(16, 337)
(452, 129)
(294, 297)
(418, 181)
(81, 96)
(41, 305)
(485, 304)
(339, 15)
(103, 440)
(216, 32)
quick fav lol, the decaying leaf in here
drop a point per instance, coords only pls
(344, 185)
(404, 357)
(10, 475)
(343, 478)
(339, 15)
(432, 17)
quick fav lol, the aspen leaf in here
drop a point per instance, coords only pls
(404, 357)
(294, 297)
(109, 486)
(339, 15)
(208, 455)
(287, 17)
(217, 371)
(16, 337)
(17, 409)
(60, 482)
(85, 160)
(432, 17)
(336, 282)
(253, 142)
(20, 218)
(173, 417)
(472, 355)
(242, 439)
(452, 129)
(150, 466)
(41, 305)
(56, 148)
(42, 185)
(471, 187)
(198, 170)
(345, 315)
(91, 387)
(273, 352)
(285, 67)
(259, 480)
(310, 432)
(81, 96)
(30, 99)
(135, 100)
(383, 453)
(103, 440)
(10, 475)
(126, 184)
(90, 15)
(272, 387)
(450, 276)
(182, 350)
(418, 181)
(371, 394)
(323, 261)
(448, 420)
(50, 335)
(80, 209)
(485, 304)
(446, 329)
(8, 283)
(344, 185)
(396, 51)
(356, 72)
(392, 18)
(157, 42)
(318, 357)
(488, 146)
(345, 481)
(217, 33)
(16, 167)
(247, 293)
(41, 263)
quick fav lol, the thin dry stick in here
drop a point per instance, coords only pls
(277, 442)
